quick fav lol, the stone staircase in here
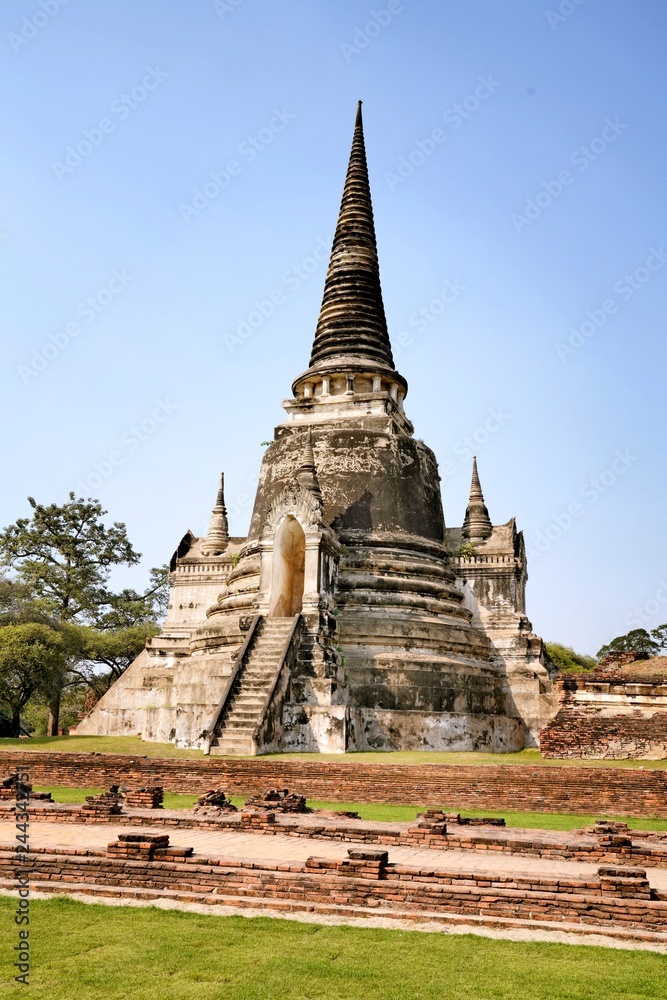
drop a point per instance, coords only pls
(243, 711)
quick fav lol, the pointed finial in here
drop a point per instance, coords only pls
(477, 523)
(475, 486)
(306, 474)
(217, 538)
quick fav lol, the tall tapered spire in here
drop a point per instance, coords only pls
(217, 539)
(352, 328)
(477, 523)
(352, 319)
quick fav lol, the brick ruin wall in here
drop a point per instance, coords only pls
(605, 717)
(361, 885)
(629, 848)
(626, 791)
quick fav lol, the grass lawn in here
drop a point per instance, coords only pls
(135, 746)
(89, 951)
(391, 813)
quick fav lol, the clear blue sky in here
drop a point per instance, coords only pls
(531, 148)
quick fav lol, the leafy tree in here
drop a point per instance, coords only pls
(660, 635)
(467, 551)
(128, 608)
(566, 660)
(18, 603)
(33, 659)
(62, 557)
(637, 641)
(66, 555)
(73, 704)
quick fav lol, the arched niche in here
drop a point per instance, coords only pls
(288, 570)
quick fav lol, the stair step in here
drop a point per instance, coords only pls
(244, 710)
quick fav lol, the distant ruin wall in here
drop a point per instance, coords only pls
(605, 717)
(625, 791)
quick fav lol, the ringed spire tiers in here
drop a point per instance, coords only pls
(477, 523)
(306, 474)
(217, 539)
(351, 335)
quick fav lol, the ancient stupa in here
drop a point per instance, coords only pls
(350, 618)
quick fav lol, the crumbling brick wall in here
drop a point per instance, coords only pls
(516, 787)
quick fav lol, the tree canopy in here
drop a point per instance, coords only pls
(566, 660)
(638, 641)
(65, 555)
(61, 558)
(33, 660)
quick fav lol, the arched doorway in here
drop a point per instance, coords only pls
(289, 562)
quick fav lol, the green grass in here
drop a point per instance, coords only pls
(172, 800)
(90, 951)
(526, 820)
(396, 813)
(135, 746)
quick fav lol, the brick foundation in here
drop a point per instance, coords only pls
(365, 883)
(593, 845)
(590, 790)
(602, 716)
(579, 731)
